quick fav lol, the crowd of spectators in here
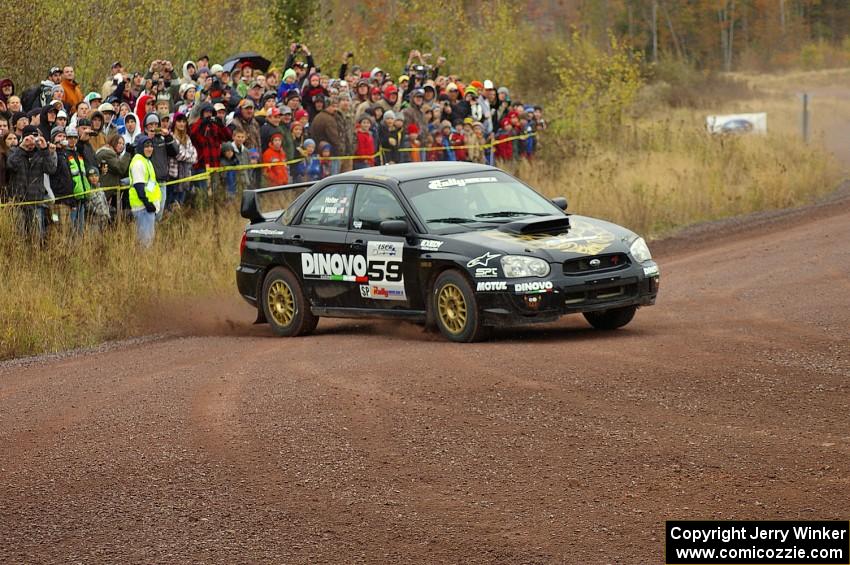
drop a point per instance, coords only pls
(58, 144)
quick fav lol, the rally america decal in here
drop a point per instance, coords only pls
(380, 271)
(442, 184)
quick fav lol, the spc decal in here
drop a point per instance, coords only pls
(430, 245)
(583, 237)
(482, 260)
(386, 275)
(442, 184)
(364, 291)
(650, 271)
(535, 287)
(486, 273)
(491, 285)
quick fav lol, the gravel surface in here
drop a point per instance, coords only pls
(381, 443)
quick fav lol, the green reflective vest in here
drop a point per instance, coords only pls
(152, 190)
(78, 176)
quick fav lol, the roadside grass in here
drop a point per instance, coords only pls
(659, 176)
(659, 172)
(75, 292)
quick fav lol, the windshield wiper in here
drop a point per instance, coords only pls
(453, 220)
(509, 213)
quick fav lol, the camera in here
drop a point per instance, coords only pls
(420, 71)
(349, 55)
(297, 46)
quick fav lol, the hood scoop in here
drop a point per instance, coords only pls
(537, 224)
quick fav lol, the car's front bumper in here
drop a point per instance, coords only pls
(637, 286)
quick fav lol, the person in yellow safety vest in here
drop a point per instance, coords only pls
(145, 193)
(79, 181)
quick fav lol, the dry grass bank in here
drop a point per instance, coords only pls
(82, 291)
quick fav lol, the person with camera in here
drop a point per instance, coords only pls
(28, 164)
(347, 58)
(207, 134)
(301, 69)
(61, 181)
(116, 83)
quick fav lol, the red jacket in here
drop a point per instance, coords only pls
(207, 139)
(456, 139)
(365, 148)
(276, 175)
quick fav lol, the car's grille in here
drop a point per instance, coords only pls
(599, 295)
(587, 265)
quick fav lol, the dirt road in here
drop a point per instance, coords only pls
(378, 443)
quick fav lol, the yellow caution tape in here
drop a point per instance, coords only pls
(212, 170)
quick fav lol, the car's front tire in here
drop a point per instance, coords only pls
(455, 309)
(284, 304)
(611, 319)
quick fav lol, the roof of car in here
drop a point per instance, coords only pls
(412, 171)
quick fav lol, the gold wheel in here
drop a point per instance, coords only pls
(451, 307)
(281, 303)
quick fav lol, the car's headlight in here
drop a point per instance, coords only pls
(640, 251)
(516, 266)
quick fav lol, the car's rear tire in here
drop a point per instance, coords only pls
(284, 304)
(455, 309)
(611, 319)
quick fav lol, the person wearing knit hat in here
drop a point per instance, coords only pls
(145, 193)
(94, 99)
(57, 130)
(287, 84)
(276, 174)
(29, 130)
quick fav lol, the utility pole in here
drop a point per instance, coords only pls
(805, 117)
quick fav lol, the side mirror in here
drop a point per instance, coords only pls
(560, 202)
(250, 210)
(394, 227)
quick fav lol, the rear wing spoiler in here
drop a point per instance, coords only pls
(250, 209)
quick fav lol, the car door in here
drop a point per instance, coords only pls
(329, 273)
(392, 263)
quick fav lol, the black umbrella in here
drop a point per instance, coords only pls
(256, 60)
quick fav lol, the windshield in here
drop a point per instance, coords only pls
(455, 203)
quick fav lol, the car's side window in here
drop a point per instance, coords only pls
(330, 207)
(374, 204)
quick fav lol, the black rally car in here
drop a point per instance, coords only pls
(464, 246)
